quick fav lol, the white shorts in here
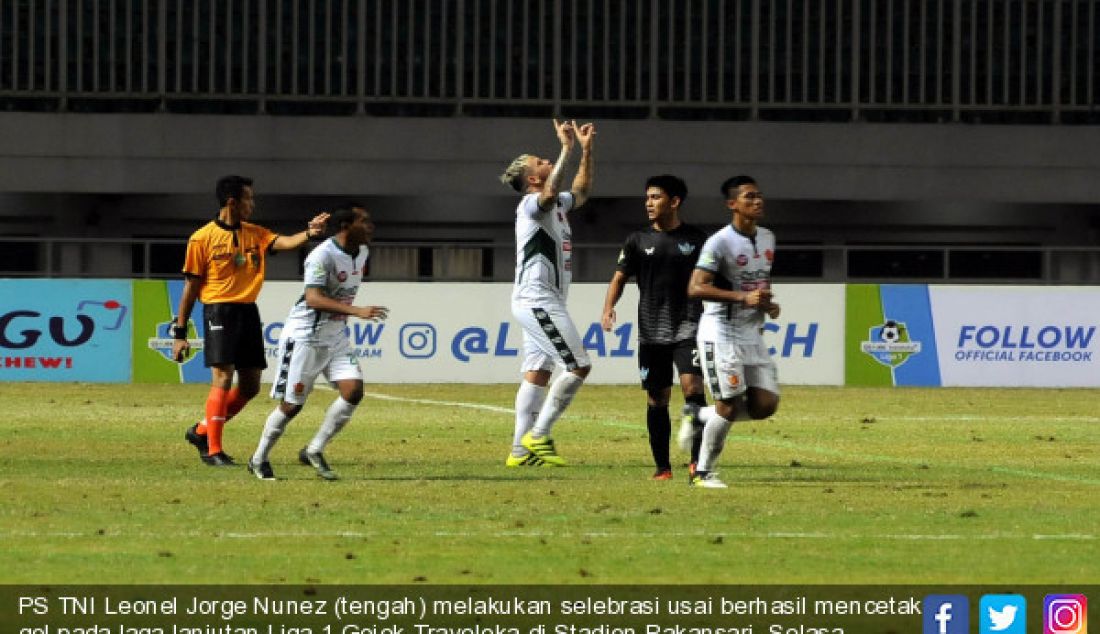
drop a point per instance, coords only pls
(732, 366)
(549, 338)
(300, 364)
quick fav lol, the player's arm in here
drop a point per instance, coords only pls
(582, 182)
(180, 346)
(614, 292)
(317, 300)
(552, 186)
(702, 287)
(314, 229)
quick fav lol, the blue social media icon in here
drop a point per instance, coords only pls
(1002, 614)
(946, 614)
(417, 341)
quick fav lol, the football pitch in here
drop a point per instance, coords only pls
(843, 485)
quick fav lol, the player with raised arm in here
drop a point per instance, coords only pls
(733, 278)
(543, 273)
(315, 341)
(661, 258)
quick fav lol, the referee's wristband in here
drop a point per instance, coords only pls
(178, 331)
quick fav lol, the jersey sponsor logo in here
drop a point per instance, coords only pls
(742, 259)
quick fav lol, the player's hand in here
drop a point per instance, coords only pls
(585, 134)
(316, 226)
(565, 132)
(608, 320)
(181, 349)
(758, 298)
(372, 313)
(772, 310)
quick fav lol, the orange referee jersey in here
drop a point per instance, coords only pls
(230, 260)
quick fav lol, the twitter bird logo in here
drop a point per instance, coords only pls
(1001, 621)
(1003, 614)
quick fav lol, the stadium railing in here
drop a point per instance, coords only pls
(1035, 61)
(159, 258)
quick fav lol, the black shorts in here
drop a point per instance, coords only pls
(233, 335)
(655, 362)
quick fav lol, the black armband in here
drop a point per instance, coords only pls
(178, 331)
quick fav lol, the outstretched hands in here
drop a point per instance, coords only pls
(569, 132)
(566, 132)
(584, 134)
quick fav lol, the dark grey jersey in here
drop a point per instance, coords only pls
(662, 262)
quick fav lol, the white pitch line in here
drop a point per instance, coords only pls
(428, 401)
(618, 535)
(818, 449)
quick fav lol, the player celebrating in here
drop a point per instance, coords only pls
(315, 341)
(661, 257)
(543, 273)
(733, 278)
(224, 268)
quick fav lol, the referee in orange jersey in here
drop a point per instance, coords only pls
(224, 269)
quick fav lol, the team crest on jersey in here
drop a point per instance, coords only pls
(644, 372)
(686, 248)
(650, 250)
(742, 259)
(342, 276)
(769, 255)
(299, 388)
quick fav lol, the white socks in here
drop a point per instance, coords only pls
(714, 439)
(273, 429)
(529, 400)
(561, 395)
(337, 416)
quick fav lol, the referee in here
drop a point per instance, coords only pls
(224, 269)
(661, 258)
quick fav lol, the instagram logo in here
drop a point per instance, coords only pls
(417, 341)
(1065, 614)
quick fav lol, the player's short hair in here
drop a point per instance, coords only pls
(353, 204)
(674, 186)
(733, 183)
(343, 218)
(516, 174)
(231, 186)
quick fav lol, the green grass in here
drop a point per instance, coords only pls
(842, 485)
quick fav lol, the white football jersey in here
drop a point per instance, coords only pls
(338, 274)
(544, 249)
(742, 263)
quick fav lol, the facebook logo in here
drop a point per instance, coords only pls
(946, 614)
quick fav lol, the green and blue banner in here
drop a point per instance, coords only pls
(65, 330)
(117, 331)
